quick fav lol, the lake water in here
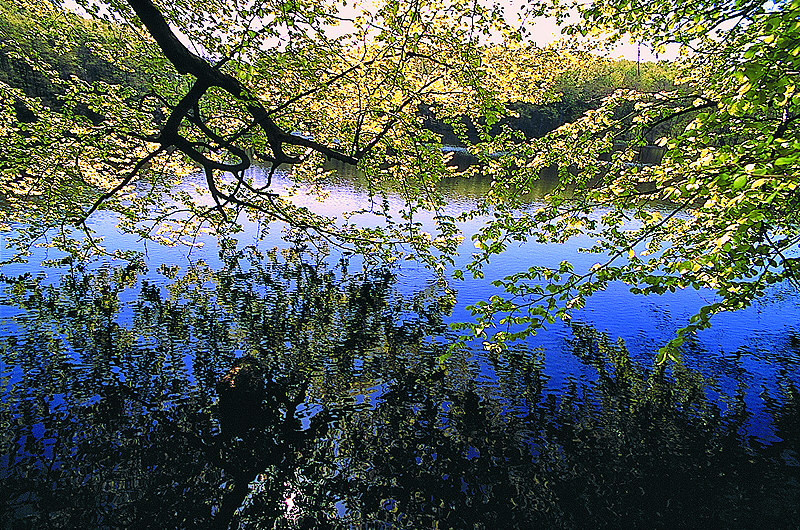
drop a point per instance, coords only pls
(111, 417)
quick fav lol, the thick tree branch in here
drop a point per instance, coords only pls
(207, 76)
(784, 126)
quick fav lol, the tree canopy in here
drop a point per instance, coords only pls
(727, 183)
(222, 85)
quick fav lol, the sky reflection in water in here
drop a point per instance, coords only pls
(111, 417)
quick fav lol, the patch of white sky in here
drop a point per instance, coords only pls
(543, 31)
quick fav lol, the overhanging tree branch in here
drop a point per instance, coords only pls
(208, 76)
(125, 181)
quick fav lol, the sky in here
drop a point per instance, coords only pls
(545, 31)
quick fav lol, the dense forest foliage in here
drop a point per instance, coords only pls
(36, 57)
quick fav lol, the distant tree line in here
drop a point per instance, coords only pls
(577, 90)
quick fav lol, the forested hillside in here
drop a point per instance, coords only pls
(42, 47)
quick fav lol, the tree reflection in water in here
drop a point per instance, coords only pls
(111, 417)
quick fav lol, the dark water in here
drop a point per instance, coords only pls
(112, 416)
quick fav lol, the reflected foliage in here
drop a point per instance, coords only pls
(122, 407)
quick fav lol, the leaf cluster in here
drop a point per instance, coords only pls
(717, 214)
